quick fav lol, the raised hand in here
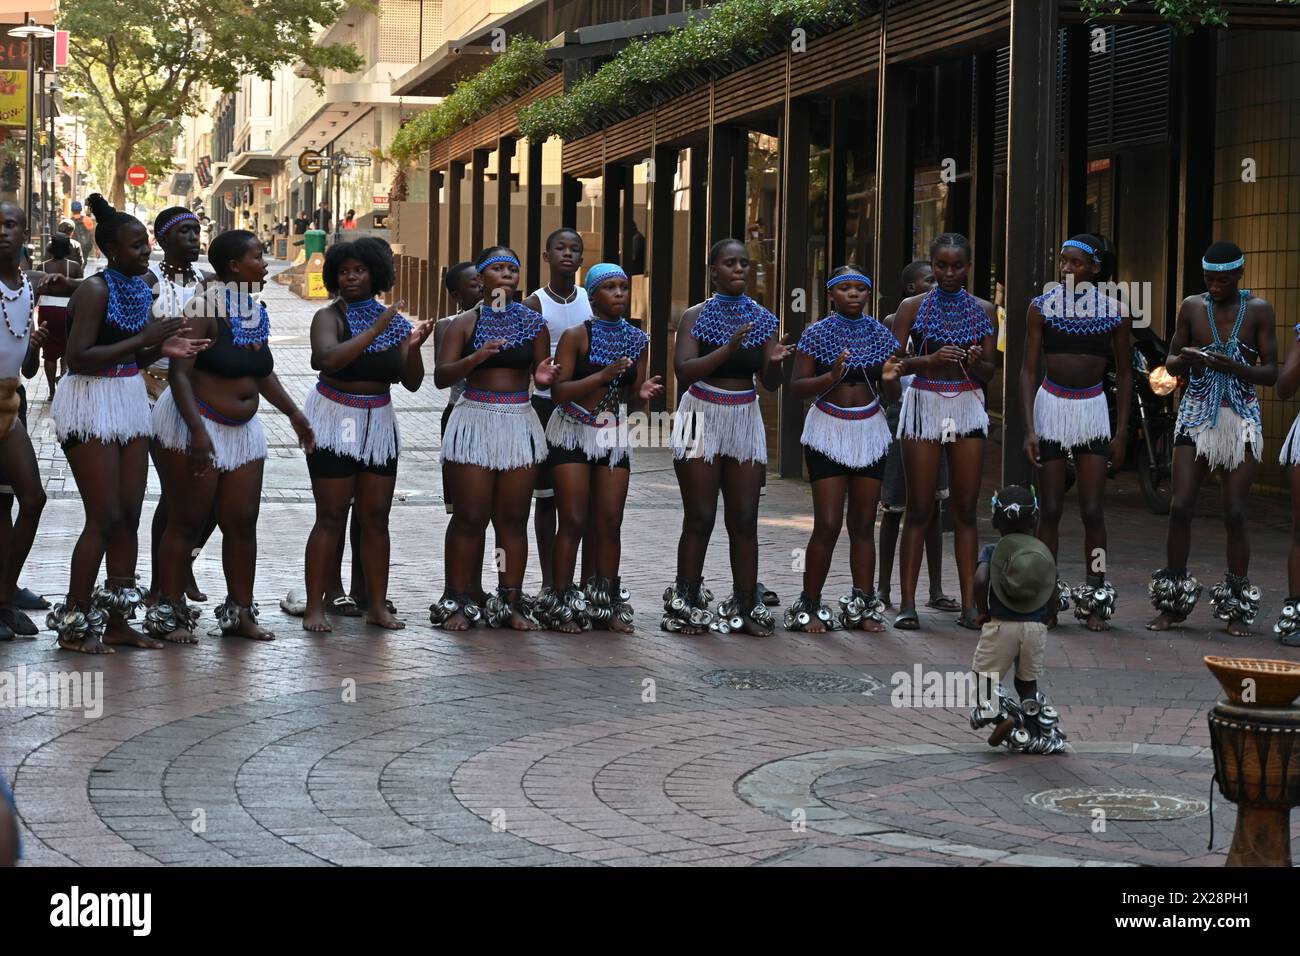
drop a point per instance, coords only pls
(651, 388)
(546, 373)
(837, 370)
(783, 350)
(614, 369)
(488, 349)
(892, 369)
(159, 330)
(738, 336)
(180, 347)
(421, 332)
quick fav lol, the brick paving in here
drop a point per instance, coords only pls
(496, 748)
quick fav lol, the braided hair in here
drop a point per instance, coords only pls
(951, 240)
(108, 221)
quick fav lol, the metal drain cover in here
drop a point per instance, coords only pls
(807, 681)
(1118, 803)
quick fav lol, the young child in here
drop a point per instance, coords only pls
(1015, 587)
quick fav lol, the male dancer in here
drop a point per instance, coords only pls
(1224, 340)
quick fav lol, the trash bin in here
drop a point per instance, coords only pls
(313, 241)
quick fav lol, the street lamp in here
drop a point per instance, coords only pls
(31, 31)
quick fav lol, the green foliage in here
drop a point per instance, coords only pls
(734, 28)
(1183, 14)
(523, 59)
(144, 64)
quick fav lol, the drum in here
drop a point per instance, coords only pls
(1257, 765)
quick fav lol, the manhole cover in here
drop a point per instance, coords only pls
(1118, 803)
(807, 681)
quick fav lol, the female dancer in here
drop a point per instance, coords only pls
(54, 308)
(719, 443)
(1077, 328)
(101, 415)
(494, 442)
(601, 361)
(846, 441)
(943, 413)
(1287, 627)
(176, 283)
(1226, 340)
(209, 446)
(361, 349)
(17, 458)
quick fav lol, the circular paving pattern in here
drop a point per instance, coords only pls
(806, 681)
(1117, 803)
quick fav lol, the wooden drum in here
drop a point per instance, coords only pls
(1257, 764)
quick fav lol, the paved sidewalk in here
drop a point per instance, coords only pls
(498, 748)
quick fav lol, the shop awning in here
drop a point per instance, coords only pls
(259, 164)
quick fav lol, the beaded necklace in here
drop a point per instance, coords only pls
(130, 301)
(516, 325)
(869, 343)
(24, 292)
(1212, 389)
(361, 315)
(251, 327)
(611, 341)
(169, 299)
(952, 318)
(721, 315)
(1088, 313)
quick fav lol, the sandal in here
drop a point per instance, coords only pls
(344, 606)
(907, 621)
(944, 603)
(969, 623)
(363, 605)
(294, 603)
(770, 598)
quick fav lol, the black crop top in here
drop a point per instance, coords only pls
(385, 366)
(518, 357)
(1056, 342)
(743, 363)
(229, 360)
(585, 367)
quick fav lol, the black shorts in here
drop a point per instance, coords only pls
(323, 463)
(820, 466)
(576, 456)
(446, 414)
(544, 487)
(1049, 450)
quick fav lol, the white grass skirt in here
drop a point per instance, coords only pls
(722, 423)
(1224, 445)
(233, 445)
(855, 441)
(497, 436)
(934, 416)
(369, 435)
(594, 441)
(102, 408)
(1291, 445)
(1071, 422)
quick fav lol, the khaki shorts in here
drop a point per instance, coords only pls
(1003, 643)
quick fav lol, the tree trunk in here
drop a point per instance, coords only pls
(121, 162)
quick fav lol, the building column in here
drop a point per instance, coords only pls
(455, 176)
(533, 219)
(611, 220)
(838, 181)
(660, 262)
(1075, 187)
(570, 196)
(505, 153)
(793, 265)
(1031, 202)
(981, 173)
(1195, 74)
(478, 169)
(721, 147)
(893, 183)
(698, 246)
(437, 262)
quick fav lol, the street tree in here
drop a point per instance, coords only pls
(1184, 14)
(145, 64)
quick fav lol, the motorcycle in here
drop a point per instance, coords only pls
(1154, 413)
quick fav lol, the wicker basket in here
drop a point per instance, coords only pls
(1275, 683)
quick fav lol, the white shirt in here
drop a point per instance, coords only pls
(170, 302)
(16, 330)
(561, 316)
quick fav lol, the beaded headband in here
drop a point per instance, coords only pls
(600, 272)
(848, 277)
(490, 260)
(1013, 508)
(1209, 266)
(179, 217)
(1076, 244)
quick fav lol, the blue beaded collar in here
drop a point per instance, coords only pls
(1090, 312)
(951, 318)
(611, 341)
(249, 322)
(869, 343)
(130, 301)
(721, 315)
(516, 325)
(361, 315)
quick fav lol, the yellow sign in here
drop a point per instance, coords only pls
(315, 278)
(309, 161)
(13, 97)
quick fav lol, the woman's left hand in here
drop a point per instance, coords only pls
(783, 350)
(652, 388)
(546, 373)
(179, 347)
(302, 428)
(420, 333)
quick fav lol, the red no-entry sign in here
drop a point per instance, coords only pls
(137, 175)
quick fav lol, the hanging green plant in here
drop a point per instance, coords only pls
(523, 60)
(743, 29)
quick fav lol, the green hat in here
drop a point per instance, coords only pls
(1022, 573)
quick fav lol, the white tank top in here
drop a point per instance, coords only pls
(172, 299)
(561, 316)
(15, 329)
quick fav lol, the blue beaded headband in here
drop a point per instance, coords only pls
(494, 259)
(179, 217)
(600, 272)
(1076, 244)
(1209, 266)
(848, 277)
(1013, 508)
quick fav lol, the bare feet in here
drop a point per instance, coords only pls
(569, 627)
(91, 645)
(753, 628)
(180, 636)
(249, 628)
(520, 622)
(814, 626)
(193, 593)
(381, 618)
(121, 633)
(621, 627)
(1165, 620)
(1239, 629)
(1096, 622)
(314, 620)
(874, 627)
(457, 622)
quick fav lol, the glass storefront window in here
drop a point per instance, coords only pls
(762, 179)
(929, 209)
